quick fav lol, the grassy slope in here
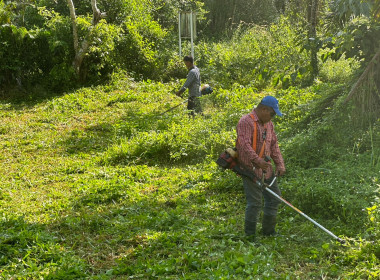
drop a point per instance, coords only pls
(95, 185)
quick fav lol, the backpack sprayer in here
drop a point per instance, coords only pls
(228, 160)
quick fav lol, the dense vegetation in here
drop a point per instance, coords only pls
(96, 183)
(38, 51)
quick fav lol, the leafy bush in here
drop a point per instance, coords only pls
(247, 60)
(140, 45)
(357, 39)
(41, 55)
(22, 64)
(39, 50)
(337, 71)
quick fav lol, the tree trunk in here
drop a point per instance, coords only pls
(233, 15)
(75, 32)
(371, 65)
(81, 52)
(280, 6)
(312, 34)
(97, 15)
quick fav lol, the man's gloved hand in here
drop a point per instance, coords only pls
(264, 165)
(280, 172)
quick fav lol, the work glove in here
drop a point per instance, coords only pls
(280, 172)
(264, 165)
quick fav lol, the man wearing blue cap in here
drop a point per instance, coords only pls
(256, 139)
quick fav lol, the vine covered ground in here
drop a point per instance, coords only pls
(97, 184)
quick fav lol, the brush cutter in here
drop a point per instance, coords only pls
(267, 188)
(205, 90)
(172, 108)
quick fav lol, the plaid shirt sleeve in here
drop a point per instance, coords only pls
(275, 152)
(244, 131)
(247, 156)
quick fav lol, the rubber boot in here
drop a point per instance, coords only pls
(269, 225)
(250, 230)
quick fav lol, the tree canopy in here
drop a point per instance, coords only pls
(41, 41)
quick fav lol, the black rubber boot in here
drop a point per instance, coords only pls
(250, 230)
(269, 225)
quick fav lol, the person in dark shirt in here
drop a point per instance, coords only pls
(193, 83)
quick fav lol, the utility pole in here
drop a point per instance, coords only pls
(186, 29)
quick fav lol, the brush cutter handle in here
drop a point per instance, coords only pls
(266, 159)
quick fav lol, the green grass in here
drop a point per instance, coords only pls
(96, 185)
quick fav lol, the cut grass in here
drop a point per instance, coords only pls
(77, 203)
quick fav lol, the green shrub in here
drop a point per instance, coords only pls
(339, 71)
(22, 63)
(140, 47)
(247, 60)
(338, 189)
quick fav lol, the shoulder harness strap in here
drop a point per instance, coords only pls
(254, 144)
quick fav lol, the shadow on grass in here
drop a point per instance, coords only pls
(27, 250)
(98, 137)
(138, 226)
(128, 226)
(151, 143)
(20, 99)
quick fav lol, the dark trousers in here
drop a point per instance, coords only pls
(194, 105)
(254, 195)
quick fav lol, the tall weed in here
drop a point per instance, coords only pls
(248, 61)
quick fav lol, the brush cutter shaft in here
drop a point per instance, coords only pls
(299, 211)
(174, 107)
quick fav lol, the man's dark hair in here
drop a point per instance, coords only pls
(188, 58)
(260, 105)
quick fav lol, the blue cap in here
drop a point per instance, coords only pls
(272, 102)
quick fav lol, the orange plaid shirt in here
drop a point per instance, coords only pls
(247, 155)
